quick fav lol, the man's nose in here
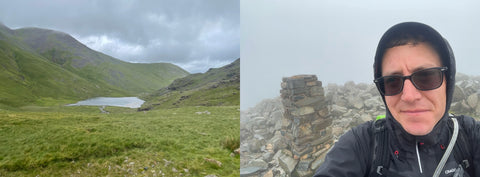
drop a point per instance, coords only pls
(410, 93)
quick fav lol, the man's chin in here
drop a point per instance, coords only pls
(417, 130)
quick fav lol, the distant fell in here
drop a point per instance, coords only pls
(57, 45)
(40, 64)
(64, 50)
(216, 87)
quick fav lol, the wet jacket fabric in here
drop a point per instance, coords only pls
(352, 154)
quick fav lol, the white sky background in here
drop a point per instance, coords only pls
(336, 40)
(195, 35)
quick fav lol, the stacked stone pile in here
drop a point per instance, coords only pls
(306, 126)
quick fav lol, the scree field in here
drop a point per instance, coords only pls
(81, 141)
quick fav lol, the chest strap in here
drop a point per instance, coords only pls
(449, 149)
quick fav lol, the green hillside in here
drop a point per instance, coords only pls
(26, 77)
(64, 50)
(39, 64)
(216, 87)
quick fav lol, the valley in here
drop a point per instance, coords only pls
(188, 126)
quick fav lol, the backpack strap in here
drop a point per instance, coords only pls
(381, 156)
(462, 149)
(446, 155)
(380, 159)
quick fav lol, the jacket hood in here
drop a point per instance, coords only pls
(431, 36)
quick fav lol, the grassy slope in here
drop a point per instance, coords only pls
(133, 77)
(38, 65)
(79, 141)
(26, 77)
(72, 55)
(216, 87)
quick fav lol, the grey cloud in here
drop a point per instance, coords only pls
(167, 30)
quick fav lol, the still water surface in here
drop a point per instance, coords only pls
(129, 102)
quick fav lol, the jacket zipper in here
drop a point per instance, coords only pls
(418, 157)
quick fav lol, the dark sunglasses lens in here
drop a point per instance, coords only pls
(427, 79)
(392, 85)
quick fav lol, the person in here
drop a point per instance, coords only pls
(414, 71)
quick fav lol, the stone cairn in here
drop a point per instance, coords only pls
(306, 124)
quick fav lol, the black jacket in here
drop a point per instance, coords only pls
(352, 155)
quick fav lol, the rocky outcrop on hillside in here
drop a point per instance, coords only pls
(466, 98)
(290, 135)
(216, 87)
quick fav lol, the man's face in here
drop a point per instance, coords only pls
(417, 111)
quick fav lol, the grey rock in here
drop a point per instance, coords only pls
(303, 111)
(287, 163)
(472, 100)
(267, 156)
(338, 110)
(356, 102)
(254, 167)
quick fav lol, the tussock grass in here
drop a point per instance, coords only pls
(80, 141)
(231, 142)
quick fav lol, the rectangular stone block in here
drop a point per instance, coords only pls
(298, 91)
(304, 130)
(309, 78)
(322, 140)
(305, 141)
(316, 91)
(298, 97)
(321, 124)
(312, 83)
(301, 150)
(303, 165)
(303, 111)
(291, 84)
(287, 163)
(307, 101)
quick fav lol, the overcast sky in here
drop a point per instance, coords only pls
(196, 35)
(336, 40)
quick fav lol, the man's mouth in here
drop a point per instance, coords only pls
(414, 111)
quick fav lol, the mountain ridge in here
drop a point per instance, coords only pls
(41, 63)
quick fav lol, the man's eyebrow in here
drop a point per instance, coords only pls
(421, 68)
(397, 73)
(400, 73)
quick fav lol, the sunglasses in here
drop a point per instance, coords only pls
(426, 79)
